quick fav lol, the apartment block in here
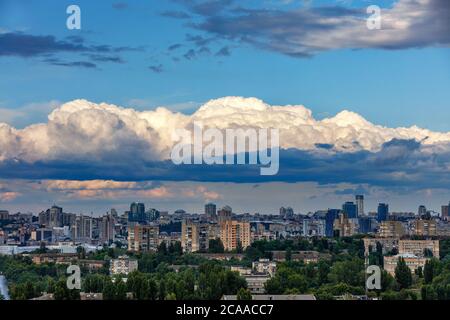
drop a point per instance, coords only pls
(391, 229)
(417, 247)
(143, 238)
(233, 232)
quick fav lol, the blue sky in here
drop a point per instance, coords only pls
(182, 53)
(389, 87)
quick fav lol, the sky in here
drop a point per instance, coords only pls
(130, 58)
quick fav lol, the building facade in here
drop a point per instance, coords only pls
(233, 233)
(143, 238)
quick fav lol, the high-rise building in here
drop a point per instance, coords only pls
(106, 226)
(350, 209)
(82, 228)
(151, 215)
(225, 214)
(55, 216)
(382, 212)
(365, 224)
(194, 236)
(445, 211)
(137, 212)
(143, 238)
(332, 214)
(210, 210)
(360, 204)
(233, 233)
(344, 226)
(286, 213)
(422, 210)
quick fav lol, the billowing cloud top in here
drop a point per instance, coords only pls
(85, 140)
(84, 130)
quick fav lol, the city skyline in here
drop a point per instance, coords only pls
(86, 116)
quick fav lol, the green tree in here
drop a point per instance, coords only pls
(288, 255)
(348, 271)
(244, 294)
(216, 246)
(430, 270)
(120, 290)
(152, 289)
(403, 274)
(108, 290)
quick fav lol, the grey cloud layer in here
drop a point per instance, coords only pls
(308, 30)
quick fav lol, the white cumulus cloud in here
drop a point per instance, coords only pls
(83, 130)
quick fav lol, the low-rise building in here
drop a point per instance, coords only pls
(256, 283)
(411, 260)
(264, 266)
(123, 265)
(387, 244)
(418, 247)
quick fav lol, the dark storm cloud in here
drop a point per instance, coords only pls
(25, 45)
(18, 44)
(399, 163)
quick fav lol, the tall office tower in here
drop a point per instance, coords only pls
(56, 217)
(332, 214)
(365, 224)
(444, 212)
(68, 219)
(210, 210)
(422, 210)
(350, 209)
(360, 204)
(382, 212)
(286, 213)
(114, 213)
(143, 238)
(233, 232)
(137, 212)
(152, 215)
(225, 214)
